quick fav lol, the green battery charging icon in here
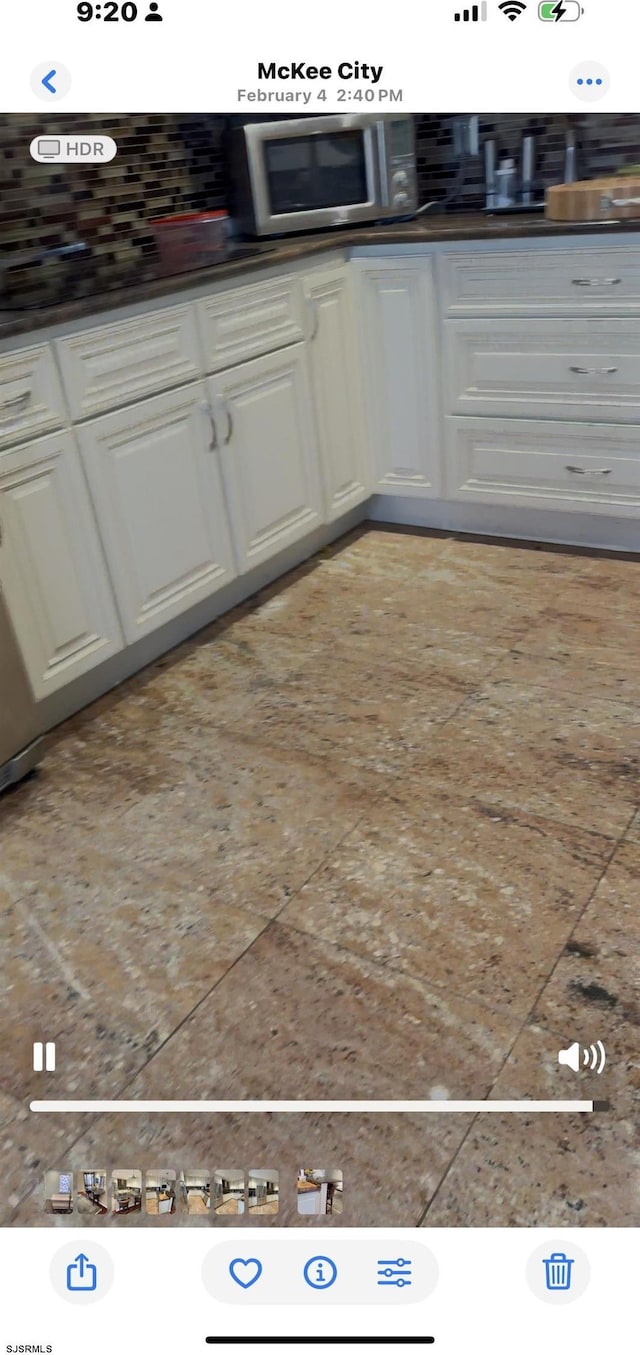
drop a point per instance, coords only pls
(560, 11)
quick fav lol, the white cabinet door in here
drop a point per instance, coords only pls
(399, 339)
(264, 416)
(52, 570)
(337, 390)
(156, 486)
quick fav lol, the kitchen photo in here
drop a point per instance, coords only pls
(319, 694)
(263, 1191)
(160, 1192)
(126, 1191)
(228, 1191)
(195, 1192)
(320, 1190)
(91, 1193)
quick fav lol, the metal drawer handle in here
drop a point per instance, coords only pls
(18, 402)
(594, 371)
(206, 409)
(582, 470)
(596, 282)
(315, 320)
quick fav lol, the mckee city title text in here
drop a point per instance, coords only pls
(302, 70)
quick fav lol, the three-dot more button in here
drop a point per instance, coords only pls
(589, 81)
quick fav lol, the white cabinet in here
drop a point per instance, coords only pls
(244, 322)
(31, 399)
(52, 570)
(601, 280)
(578, 467)
(399, 342)
(155, 480)
(264, 421)
(127, 360)
(337, 390)
(538, 368)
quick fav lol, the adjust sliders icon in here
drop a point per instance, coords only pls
(396, 1272)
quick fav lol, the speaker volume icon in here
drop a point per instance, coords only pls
(578, 1057)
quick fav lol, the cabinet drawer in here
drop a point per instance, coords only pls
(245, 322)
(115, 364)
(600, 281)
(558, 369)
(31, 399)
(576, 466)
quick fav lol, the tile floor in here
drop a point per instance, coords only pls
(376, 833)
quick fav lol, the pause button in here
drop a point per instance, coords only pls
(44, 1057)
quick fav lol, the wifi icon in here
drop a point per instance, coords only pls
(512, 9)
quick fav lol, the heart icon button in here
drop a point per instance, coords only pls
(245, 1273)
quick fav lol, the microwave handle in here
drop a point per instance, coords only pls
(383, 163)
(373, 155)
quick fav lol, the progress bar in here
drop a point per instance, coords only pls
(522, 1107)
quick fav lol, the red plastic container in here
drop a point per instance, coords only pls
(192, 240)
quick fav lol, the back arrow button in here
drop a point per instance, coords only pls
(50, 83)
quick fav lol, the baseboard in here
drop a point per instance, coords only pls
(521, 524)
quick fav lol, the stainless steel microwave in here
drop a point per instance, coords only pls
(302, 174)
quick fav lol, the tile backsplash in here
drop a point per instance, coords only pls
(170, 162)
(166, 162)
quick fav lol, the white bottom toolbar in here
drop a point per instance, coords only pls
(493, 1290)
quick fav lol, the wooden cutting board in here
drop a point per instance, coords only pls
(594, 200)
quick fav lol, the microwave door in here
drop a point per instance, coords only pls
(318, 178)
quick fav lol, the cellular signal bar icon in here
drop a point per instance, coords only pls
(477, 13)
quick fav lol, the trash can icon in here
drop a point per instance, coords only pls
(558, 1270)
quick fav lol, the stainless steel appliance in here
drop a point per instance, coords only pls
(300, 174)
(524, 193)
(20, 747)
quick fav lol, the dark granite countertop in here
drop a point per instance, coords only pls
(137, 283)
